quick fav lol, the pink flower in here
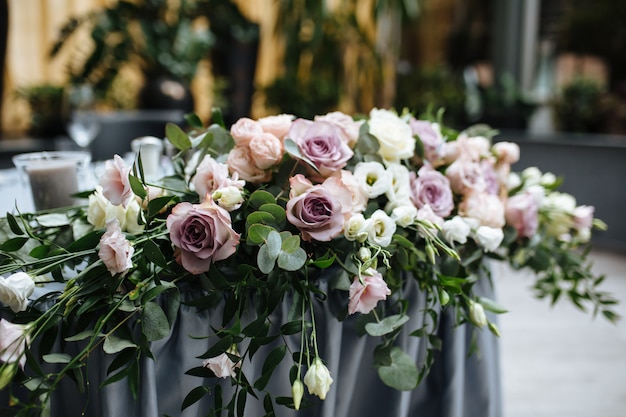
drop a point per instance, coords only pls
(522, 213)
(583, 217)
(366, 294)
(319, 211)
(490, 177)
(506, 152)
(115, 183)
(115, 250)
(430, 135)
(466, 176)
(240, 161)
(266, 150)
(488, 209)
(323, 144)
(13, 341)
(277, 125)
(222, 366)
(202, 234)
(211, 176)
(349, 127)
(244, 130)
(431, 187)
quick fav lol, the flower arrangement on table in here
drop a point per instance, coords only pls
(256, 214)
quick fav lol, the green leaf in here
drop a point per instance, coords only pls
(275, 210)
(260, 197)
(113, 344)
(193, 120)
(154, 292)
(80, 336)
(14, 225)
(292, 261)
(273, 244)
(260, 217)
(290, 243)
(177, 137)
(13, 244)
(402, 373)
(217, 117)
(137, 187)
(155, 323)
(152, 252)
(40, 252)
(293, 327)
(53, 220)
(292, 149)
(194, 396)
(386, 325)
(271, 362)
(57, 358)
(323, 263)
(492, 306)
(265, 260)
(257, 233)
(218, 348)
(89, 241)
(157, 204)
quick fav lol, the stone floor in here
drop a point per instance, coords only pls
(558, 361)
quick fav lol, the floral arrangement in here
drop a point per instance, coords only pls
(259, 213)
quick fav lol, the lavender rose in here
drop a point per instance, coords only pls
(522, 213)
(431, 187)
(318, 211)
(323, 144)
(430, 135)
(202, 234)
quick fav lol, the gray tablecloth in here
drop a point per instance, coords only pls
(457, 386)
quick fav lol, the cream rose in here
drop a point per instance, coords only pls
(15, 290)
(393, 134)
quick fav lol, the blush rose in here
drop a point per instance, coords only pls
(115, 183)
(367, 291)
(115, 251)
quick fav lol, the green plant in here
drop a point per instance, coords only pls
(583, 105)
(161, 36)
(45, 102)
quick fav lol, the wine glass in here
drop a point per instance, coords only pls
(82, 120)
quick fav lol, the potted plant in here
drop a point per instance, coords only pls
(583, 105)
(45, 103)
(166, 40)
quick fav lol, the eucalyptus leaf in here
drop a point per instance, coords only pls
(273, 244)
(386, 325)
(260, 197)
(292, 261)
(257, 233)
(194, 121)
(113, 344)
(275, 210)
(57, 358)
(290, 244)
(53, 220)
(265, 261)
(177, 137)
(80, 336)
(402, 373)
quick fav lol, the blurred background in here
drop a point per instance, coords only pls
(543, 65)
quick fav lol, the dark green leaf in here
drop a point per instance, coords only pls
(114, 344)
(194, 396)
(193, 120)
(155, 323)
(271, 362)
(218, 348)
(137, 187)
(260, 197)
(89, 241)
(292, 327)
(40, 252)
(152, 252)
(13, 244)
(216, 116)
(14, 225)
(157, 204)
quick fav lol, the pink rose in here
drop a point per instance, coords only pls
(318, 211)
(488, 209)
(202, 234)
(13, 341)
(506, 152)
(522, 213)
(244, 129)
(357, 191)
(115, 183)
(322, 144)
(349, 127)
(432, 188)
(298, 184)
(490, 177)
(278, 125)
(365, 295)
(430, 135)
(240, 162)
(266, 150)
(115, 250)
(211, 176)
(465, 176)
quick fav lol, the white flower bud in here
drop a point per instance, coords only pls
(297, 392)
(404, 215)
(477, 314)
(381, 230)
(365, 254)
(317, 379)
(229, 198)
(356, 228)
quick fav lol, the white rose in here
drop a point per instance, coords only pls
(356, 228)
(230, 198)
(404, 215)
(456, 230)
(97, 209)
(15, 290)
(394, 135)
(400, 182)
(373, 177)
(382, 229)
(489, 237)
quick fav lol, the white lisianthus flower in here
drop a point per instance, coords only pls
(400, 188)
(513, 181)
(538, 193)
(560, 201)
(100, 210)
(531, 176)
(357, 228)
(318, 379)
(394, 135)
(489, 237)
(15, 290)
(130, 223)
(404, 215)
(373, 177)
(548, 179)
(456, 230)
(382, 229)
(230, 198)
(477, 314)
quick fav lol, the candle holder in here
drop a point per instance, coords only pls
(150, 148)
(53, 177)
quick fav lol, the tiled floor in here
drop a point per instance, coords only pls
(558, 361)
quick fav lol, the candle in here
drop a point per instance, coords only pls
(52, 176)
(150, 149)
